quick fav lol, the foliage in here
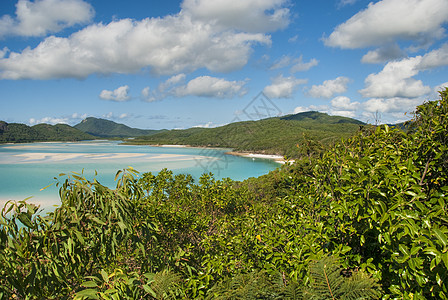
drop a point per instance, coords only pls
(328, 283)
(278, 135)
(109, 129)
(366, 218)
(21, 133)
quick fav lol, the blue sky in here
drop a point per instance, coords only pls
(178, 64)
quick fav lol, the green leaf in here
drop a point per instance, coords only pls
(89, 293)
(89, 284)
(440, 236)
(445, 259)
(104, 275)
(25, 219)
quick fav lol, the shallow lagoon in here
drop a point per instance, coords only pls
(27, 168)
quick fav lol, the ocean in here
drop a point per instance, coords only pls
(27, 168)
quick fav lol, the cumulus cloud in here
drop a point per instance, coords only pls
(300, 66)
(148, 95)
(296, 64)
(435, 58)
(343, 106)
(283, 87)
(248, 15)
(172, 81)
(41, 17)
(120, 94)
(396, 78)
(70, 119)
(383, 54)
(48, 120)
(211, 87)
(391, 105)
(440, 87)
(170, 45)
(3, 51)
(387, 20)
(329, 88)
(320, 108)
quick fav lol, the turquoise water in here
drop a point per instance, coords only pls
(27, 168)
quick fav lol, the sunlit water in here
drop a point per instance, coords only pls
(27, 168)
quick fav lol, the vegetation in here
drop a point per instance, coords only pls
(278, 135)
(367, 218)
(21, 133)
(109, 129)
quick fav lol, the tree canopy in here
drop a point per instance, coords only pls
(367, 218)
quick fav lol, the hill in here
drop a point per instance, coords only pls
(21, 133)
(109, 129)
(278, 135)
(367, 219)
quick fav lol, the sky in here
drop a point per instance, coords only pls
(204, 63)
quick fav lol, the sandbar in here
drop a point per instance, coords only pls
(277, 158)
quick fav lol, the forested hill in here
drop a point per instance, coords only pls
(109, 129)
(21, 133)
(278, 135)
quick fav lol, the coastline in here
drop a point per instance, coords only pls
(277, 158)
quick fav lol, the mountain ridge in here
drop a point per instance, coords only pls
(109, 129)
(275, 135)
(22, 133)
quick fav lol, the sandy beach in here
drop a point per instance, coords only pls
(59, 157)
(277, 158)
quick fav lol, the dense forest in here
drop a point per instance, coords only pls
(21, 133)
(365, 218)
(109, 129)
(278, 135)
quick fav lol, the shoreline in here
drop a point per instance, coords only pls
(276, 158)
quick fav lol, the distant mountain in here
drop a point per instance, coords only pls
(278, 135)
(109, 129)
(315, 116)
(21, 133)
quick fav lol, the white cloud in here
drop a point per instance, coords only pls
(343, 106)
(67, 119)
(293, 39)
(148, 95)
(387, 20)
(440, 87)
(170, 45)
(383, 54)
(77, 116)
(346, 2)
(329, 88)
(435, 58)
(296, 64)
(172, 81)
(248, 15)
(300, 66)
(283, 87)
(320, 108)
(207, 125)
(48, 120)
(391, 105)
(284, 61)
(396, 78)
(344, 103)
(3, 52)
(41, 17)
(211, 87)
(120, 94)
